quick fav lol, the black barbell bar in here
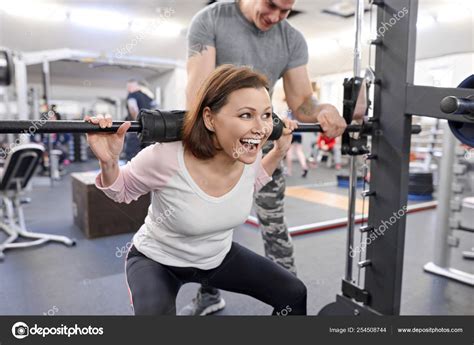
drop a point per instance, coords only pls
(152, 126)
(457, 105)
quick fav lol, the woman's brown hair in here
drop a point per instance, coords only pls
(214, 93)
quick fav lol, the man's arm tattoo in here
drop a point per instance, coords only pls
(308, 107)
(196, 49)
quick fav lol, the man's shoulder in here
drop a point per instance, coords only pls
(218, 9)
(287, 28)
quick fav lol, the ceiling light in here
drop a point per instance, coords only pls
(168, 29)
(425, 21)
(35, 11)
(107, 20)
(141, 25)
(449, 14)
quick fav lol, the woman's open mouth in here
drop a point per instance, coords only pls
(250, 144)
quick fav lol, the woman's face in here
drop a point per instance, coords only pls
(244, 124)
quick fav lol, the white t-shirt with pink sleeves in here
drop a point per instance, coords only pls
(185, 227)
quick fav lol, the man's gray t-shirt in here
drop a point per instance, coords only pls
(239, 42)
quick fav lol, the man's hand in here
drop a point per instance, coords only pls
(331, 122)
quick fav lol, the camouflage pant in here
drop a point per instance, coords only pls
(269, 202)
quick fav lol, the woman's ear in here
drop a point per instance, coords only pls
(208, 119)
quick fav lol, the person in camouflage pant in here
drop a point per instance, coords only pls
(269, 203)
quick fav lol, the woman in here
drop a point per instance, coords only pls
(201, 189)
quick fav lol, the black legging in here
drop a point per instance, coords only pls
(154, 286)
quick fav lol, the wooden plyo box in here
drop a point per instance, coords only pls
(97, 215)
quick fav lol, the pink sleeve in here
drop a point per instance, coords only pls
(261, 176)
(150, 170)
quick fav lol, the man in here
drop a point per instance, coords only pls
(139, 97)
(256, 33)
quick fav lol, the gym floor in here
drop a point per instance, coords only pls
(88, 279)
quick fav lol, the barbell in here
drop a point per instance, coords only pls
(153, 126)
